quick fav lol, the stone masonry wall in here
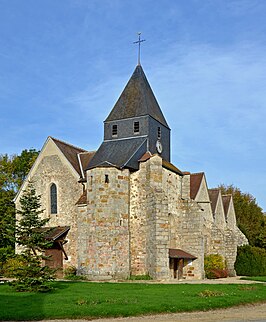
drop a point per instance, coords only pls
(104, 230)
(138, 221)
(50, 170)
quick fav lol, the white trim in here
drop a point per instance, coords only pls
(128, 118)
(80, 165)
(131, 137)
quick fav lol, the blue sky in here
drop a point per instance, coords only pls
(64, 63)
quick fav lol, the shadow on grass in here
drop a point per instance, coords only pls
(29, 305)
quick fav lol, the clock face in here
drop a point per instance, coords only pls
(159, 146)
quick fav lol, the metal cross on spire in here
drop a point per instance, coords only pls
(138, 42)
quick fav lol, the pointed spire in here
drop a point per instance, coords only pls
(137, 99)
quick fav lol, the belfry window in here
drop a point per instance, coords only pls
(53, 198)
(136, 127)
(114, 130)
(159, 133)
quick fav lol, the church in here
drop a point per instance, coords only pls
(125, 209)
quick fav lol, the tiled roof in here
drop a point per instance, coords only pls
(55, 233)
(85, 158)
(179, 253)
(195, 181)
(70, 152)
(146, 156)
(83, 198)
(226, 202)
(171, 167)
(137, 99)
(213, 194)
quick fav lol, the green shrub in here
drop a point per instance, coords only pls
(70, 273)
(250, 261)
(13, 265)
(214, 266)
(5, 254)
(70, 270)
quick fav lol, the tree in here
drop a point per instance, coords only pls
(13, 171)
(249, 215)
(30, 236)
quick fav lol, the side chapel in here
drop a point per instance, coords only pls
(125, 209)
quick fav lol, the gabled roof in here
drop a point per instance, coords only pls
(213, 194)
(179, 253)
(70, 152)
(195, 181)
(171, 167)
(226, 203)
(137, 99)
(167, 165)
(119, 153)
(55, 233)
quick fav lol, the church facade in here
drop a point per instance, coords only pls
(125, 209)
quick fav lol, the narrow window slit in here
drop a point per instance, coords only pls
(136, 127)
(114, 130)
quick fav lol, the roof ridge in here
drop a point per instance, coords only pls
(197, 173)
(94, 151)
(69, 144)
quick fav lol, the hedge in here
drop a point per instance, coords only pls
(250, 261)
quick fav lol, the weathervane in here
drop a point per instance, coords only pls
(138, 42)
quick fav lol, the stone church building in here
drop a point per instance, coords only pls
(125, 209)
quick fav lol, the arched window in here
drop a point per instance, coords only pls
(53, 198)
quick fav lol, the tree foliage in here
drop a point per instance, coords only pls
(13, 171)
(30, 236)
(250, 261)
(249, 215)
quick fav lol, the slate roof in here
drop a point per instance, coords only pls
(119, 153)
(195, 181)
(213, 194)
(137, 99)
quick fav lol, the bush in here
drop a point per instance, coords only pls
(5, 254)
(214, 266)
(70, 270)
(250, 261)
(216, 273)
(13, 265)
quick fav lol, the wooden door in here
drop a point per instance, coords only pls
(55, 260)
(180, 268)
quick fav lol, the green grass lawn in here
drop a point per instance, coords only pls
(255, 278)
(91, 300)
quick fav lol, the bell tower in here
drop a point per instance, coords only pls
(134, 126)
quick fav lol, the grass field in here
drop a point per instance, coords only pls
(255, 278)
(91, 300)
